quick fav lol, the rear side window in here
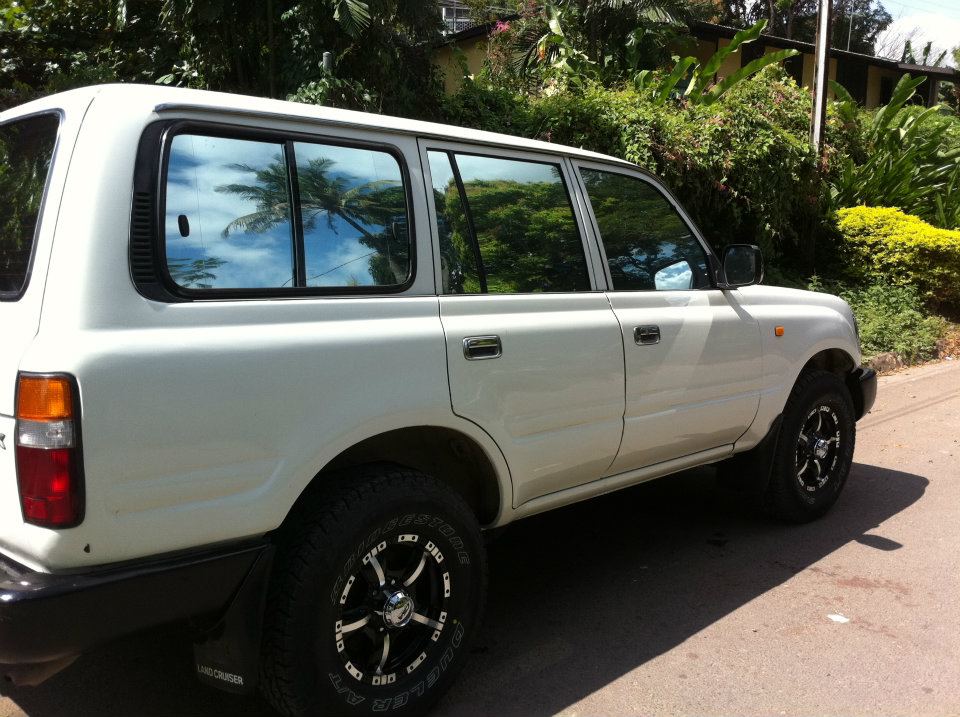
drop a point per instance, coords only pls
(229, 223)
(505, 226)
(26, 153)
(648, 245)
(245, 214)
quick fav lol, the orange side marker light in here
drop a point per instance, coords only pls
(778, 331)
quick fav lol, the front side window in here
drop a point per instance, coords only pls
(648, 245)
(459, 260)
(508, 228)
(251, 214)
(26, 152)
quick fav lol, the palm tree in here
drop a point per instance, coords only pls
(325, 196)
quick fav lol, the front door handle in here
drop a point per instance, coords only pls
(482, 347)
(646, 335)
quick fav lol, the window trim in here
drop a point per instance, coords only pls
(14, 296)
(157, 154)
(713, 263)
(518, 154)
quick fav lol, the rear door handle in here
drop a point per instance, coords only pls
(482, 347)
(646, 335)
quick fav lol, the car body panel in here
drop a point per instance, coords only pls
(203, 421)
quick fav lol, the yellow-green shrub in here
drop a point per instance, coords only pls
(884, 244)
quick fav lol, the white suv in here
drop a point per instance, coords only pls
(275, 367)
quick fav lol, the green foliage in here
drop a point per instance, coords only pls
(699, 78)
(52, 45)
(601, 40)
(894, 318)
(911, 159)
(858, 22)
(890, 318)
(261, 47)
(927, 58)
(334, 91)
(882, 244)
(742, 166)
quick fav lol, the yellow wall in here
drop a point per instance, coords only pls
(704, 50)
(474, 52)
(874, 75)
(446, 59)
(731, 63)
(808, 65)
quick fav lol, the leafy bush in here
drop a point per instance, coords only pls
(911, 158)
(742, 166)
(882, 244)
(699, 77)
(893, 318)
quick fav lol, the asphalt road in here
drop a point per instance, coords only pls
(671, 598)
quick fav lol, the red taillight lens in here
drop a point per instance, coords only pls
(49, 491)
(49, 469)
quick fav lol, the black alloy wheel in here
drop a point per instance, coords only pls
(814, 449)
(393, 610)
(376, 593)
(819, 448)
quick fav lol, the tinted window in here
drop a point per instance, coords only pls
(648, 245)
(238, 215)
(26, 150)
(458, 259)
(523, 224)
(229, 223)
(354, 216)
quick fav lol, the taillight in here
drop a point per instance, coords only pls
(49, 464)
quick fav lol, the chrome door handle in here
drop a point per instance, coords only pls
(482, 347)
(646, 335)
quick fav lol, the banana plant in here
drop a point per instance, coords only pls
(701, 88)
(555, 48)
(908, 166)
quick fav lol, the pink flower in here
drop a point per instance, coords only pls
(501, 26)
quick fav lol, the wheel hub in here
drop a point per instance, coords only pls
(398, 609)
(821, 448)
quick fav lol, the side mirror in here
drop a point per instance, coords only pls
(742, 265)
(677, 276)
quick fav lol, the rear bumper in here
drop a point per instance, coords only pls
(46, 620)
(862, 383)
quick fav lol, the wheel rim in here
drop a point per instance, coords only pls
(392, 610)
(818, 449)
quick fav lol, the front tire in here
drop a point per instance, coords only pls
(814, 449)
(377, 594)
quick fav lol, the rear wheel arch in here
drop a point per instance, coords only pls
(451, 456)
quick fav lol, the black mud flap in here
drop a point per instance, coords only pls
(227, 655)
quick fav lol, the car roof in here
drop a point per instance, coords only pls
(161, 99)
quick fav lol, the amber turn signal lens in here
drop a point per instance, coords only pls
(778, 331)
(44, 398)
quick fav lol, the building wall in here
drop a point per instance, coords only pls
(474, 52)
(447, 59)
(874, 76)
(731, 63)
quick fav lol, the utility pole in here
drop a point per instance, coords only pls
(850, 28)
(821, 73)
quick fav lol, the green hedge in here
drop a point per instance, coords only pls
(743, 166)
(882, 244)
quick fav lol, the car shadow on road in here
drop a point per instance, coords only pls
(578, 597)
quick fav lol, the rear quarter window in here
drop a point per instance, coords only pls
(249, 215)
(26, 153)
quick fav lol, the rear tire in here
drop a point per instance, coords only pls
(814, 449)
(377, 593)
